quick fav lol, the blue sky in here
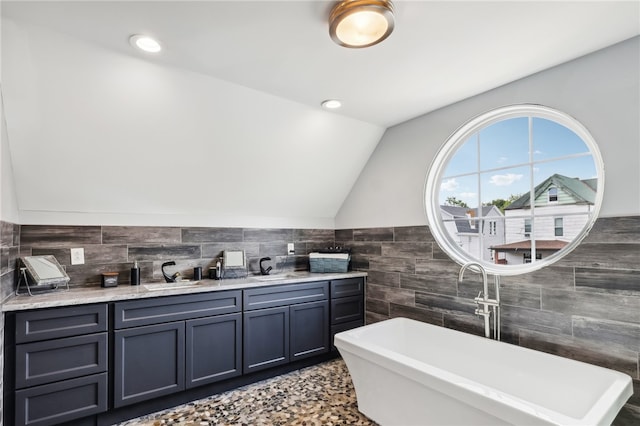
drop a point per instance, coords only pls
(505, 145)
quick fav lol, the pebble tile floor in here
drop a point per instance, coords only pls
(318, 395)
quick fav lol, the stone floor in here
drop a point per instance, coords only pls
(318, 395)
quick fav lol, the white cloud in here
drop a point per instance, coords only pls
(449, 185)
(502, 160)
(504, 180)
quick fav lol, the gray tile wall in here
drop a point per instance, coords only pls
(585, 307)
(9, 248)
(115, 248)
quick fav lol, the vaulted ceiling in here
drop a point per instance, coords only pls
(225, 126)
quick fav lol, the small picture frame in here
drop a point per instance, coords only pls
(234, 259)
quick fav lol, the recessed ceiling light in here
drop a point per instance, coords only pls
(331, 104)
(145, 43)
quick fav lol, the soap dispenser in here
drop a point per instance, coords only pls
(135, 274)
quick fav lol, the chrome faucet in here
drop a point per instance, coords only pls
(484, 300)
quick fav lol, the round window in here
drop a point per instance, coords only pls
(515, 189)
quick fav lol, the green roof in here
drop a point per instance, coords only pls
(584, 191)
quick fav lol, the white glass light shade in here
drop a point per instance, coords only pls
(361, 23)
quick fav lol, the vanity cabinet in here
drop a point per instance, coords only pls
(100, 363)
(347, 305)
(168, 344)
(61, 359)
(285, 323)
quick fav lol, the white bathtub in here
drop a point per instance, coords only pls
(407, 372)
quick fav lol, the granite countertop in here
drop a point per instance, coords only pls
(86, 295)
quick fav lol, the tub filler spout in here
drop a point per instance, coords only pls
(483, 301)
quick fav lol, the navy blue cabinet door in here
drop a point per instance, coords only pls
(148, 362)
(309, 329)
(266, 338)
(214, 349)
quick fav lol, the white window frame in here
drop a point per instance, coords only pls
(549, 195)
(459, 137)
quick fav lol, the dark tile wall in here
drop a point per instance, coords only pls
(115, 248)
(585, 307)
(9, 248)
(9, 252)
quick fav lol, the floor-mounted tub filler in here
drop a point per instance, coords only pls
(406, 372)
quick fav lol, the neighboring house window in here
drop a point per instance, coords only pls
(553, 195)
(527, 228)
(526, 257)
(492, 227)
(559, 228)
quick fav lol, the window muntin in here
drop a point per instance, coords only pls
(474, 169)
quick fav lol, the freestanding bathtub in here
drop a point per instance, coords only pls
(406, 372)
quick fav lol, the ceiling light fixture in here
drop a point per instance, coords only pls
(331, 104)
(145, 43)
(361, 23)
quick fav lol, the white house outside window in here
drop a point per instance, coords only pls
(527, 228)
(553, 195)
(559, 228)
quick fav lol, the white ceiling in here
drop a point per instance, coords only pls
(225, 128)
(440, 52)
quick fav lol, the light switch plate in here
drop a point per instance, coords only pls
(290, 248)
(77, 256)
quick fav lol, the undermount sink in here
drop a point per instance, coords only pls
(170, 286)
(275, 277)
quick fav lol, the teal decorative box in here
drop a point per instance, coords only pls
(329, 262)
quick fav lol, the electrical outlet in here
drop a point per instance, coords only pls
(77, 256)
(290, 248)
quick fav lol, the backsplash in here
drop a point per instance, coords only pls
(585, 307)
(115, 248)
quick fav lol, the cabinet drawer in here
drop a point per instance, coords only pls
(174, 308)
(347, 309)
(347, 287)
(54, 323)
(283, 295)
(54, 360)
(62, 401)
